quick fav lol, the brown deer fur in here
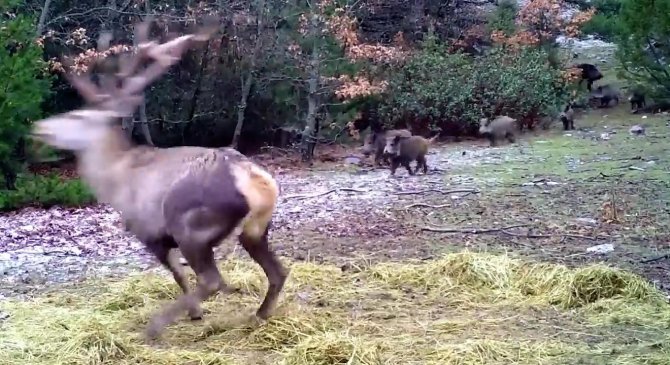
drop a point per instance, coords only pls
(186, 198)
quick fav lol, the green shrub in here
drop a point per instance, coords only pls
(503, 17)
(23, 86)
(604, 7)
(643, 48)
(453, 91)
(604, 23)
(602, 26)
(45, 191)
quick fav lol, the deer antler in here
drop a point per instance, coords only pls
(124, 99)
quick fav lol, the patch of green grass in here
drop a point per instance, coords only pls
(578, 155)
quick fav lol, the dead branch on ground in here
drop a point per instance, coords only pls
(471, 230)
(506, 231)
(469, 191)
(306, 196)
(427, 205)
(656, 258)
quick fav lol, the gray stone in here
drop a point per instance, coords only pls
(601, 249)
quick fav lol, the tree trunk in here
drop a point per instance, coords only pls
(9, 175)
(128, 125)
(111, 14)
(144, 124)
(249, 80)
(309, 135)
(246, 88)
(43, 17)
(196, 94)
(416, 15)
(144, 121)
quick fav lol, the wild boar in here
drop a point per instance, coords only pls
(500, 127)
(376, 141)
(637, 101)
(402, 150)
(590, 74)
(604, 94)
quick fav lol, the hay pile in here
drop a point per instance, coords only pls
(461, 309)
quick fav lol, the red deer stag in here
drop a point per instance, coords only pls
(190, 198)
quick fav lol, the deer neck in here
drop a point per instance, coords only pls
(102, 165)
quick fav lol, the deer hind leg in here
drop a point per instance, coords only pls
(254, 239)
(209, 282)
(166, 254)
(197, 247)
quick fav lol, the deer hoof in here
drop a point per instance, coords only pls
(152, 333)
(255, 320)
(154, 329)
(195, 314)
(263, 314)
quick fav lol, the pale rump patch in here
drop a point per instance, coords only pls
(261, 192)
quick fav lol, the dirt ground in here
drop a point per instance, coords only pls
(551, 196)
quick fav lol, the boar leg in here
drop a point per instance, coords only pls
(492, 139)
(420, 161)
(385, 159)
(378, 159)
(424, 163)
(394, 165)
(405, 163)
(510, 137)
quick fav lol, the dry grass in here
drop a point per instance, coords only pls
(464, 308)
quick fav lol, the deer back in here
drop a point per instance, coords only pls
(189, 178)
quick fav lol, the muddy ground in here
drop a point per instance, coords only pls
(566, 192)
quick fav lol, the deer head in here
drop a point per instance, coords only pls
(118, 94)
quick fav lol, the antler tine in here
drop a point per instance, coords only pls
(107, 79)
(89, 91)
(141, 41)
(170, 52)
(165, 55)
